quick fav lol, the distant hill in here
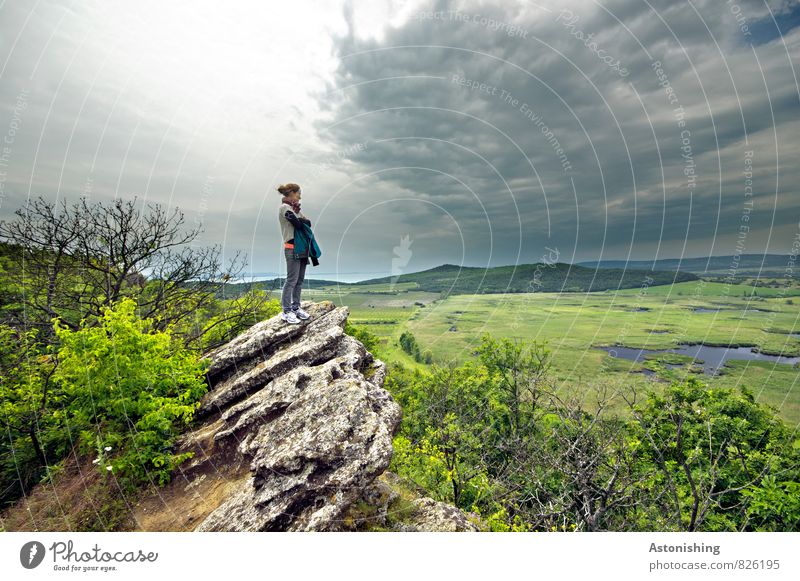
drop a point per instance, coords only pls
(744, 265)
(307, 283)
(558, 277)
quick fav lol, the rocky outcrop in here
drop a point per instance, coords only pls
(296, 429)
(305, 405)
(393, 504)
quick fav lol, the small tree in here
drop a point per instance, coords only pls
(707, 446)
(447, 417)
(522, 372)
(71, 262)
(223, 320)
(409, 344)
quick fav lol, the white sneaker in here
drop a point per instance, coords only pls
(290, 317)
(301, 314)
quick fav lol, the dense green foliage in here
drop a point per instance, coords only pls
(118, 389)
(369, 340)
(409, 344)
(223, 319)
(712, 452)
(130, 391)
(28, 400)
(493, 437)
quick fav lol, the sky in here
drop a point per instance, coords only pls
(422, 133)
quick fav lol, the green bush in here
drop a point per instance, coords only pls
(130, 391)
(370, 341)
(224, 319)
(716, 452)
(32, 439)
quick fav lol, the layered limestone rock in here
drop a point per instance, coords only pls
(296, 402)
(393, 504)
(295, 429)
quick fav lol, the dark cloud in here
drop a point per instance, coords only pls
(473, 151)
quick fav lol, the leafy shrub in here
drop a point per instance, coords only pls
(27, 397)
(224, 319)
(370, 341)
(130, 391)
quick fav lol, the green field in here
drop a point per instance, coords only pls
(572, 324)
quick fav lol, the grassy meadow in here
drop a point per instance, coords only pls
(573, 325)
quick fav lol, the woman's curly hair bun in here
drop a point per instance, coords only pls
(284, 189)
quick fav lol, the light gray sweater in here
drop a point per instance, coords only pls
(287, 228)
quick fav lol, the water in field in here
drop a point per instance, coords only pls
(711, 358)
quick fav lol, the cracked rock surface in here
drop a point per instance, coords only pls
(303, 407)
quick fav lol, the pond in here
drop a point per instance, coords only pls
(711, 358)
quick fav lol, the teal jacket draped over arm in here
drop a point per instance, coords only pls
(305, 245)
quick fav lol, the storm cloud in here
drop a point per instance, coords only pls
(605, 130)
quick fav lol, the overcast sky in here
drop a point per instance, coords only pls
(422, 133)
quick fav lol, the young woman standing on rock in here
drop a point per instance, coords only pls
(289, 217)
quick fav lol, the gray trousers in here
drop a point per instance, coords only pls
(295, 274)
